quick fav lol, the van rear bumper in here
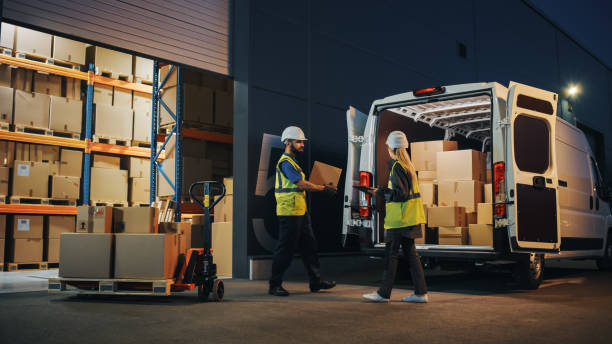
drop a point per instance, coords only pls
(436, 251)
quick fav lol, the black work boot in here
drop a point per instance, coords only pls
(278, 291)
(315, 287)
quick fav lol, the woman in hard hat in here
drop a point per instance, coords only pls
(403, 219)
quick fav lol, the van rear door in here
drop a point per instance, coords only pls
(532, 172)
(355, 124)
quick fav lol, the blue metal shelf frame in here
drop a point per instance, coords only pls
(176, 131)
(88, 125)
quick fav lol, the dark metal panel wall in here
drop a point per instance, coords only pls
(194, 33)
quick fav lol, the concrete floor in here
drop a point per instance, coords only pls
(573, 305)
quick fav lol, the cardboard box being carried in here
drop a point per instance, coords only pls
(31, 179)
(48, 84)
(68, 50)
(6, 104)
(4, 181)
(140, 189)
(323, 174)
(66, 115)
(31, 109)
(146, 256)
(65, 187)
(135, 219)
(461, 165)
(86, 255)
(485, 213)
(71, 163)
(446, 217)
(28, 227)
(452, 236)
(26, 251)
(222, 245)
(107, 161)
(94, 219)
(423, 154)
(109, 61)
(114, 122)
(429, 192)
(101, 178)
(33, 42)
(462, 193)
(481, 235)
(59, 224)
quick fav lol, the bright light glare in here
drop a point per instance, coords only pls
(573, 91)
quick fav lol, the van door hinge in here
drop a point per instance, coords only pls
(504, 123)
(357, 139)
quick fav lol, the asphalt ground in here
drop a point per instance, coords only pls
(573, 305)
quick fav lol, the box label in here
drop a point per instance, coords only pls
(23, 170)
(23, 225)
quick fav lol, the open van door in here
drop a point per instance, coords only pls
(355, 124)
(532, 172)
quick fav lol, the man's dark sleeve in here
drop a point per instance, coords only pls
(401, 183)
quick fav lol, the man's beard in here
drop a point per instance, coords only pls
(295, 151)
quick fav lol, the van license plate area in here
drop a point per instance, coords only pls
(536, 214)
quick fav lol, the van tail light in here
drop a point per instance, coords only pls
(499, 188)
(365, 179)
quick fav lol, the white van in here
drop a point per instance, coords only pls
(549, 199)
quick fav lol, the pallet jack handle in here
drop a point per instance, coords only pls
(208, 188)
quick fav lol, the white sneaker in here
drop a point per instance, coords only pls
(375, 297)
(416, 298)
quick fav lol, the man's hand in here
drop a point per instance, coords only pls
(330, 189)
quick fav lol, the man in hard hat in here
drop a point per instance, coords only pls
(295, 230)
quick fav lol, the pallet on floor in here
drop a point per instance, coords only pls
(110, 286)
(110, 203)
(52, 265)
(142, 144)
(111, 140)
(67, 134)
(27, 266)
(112, 75)
(33, 130)
(47, 60)
(63, 201)
(29, 200)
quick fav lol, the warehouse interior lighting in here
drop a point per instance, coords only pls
(573, 90)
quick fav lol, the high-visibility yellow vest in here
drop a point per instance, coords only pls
(290, 200)
(408, 213)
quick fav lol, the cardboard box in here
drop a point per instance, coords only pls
(195, 148)
(462, 193)
(140, 189)
(53, 250)
(485, 214)
(73, 88)
(429, 193)
(142, 120)
(31, 179)
(109, 61)
(31, 109)
(6, 104)
(471, 218)
(423, 154)
(68, 50)
(488, 193)
(453, 236)
(107, 161)
(6, 79)
(22, 151)
(224, 109)
(92, 219)
(183, 229)
(7, 36)
(101, 178)
(4, 181)
(71, 163)
(48, 84)
(140, 168)
(189, 77)
(481, 235)
(122, 97)
(44, 153)
(197, 104)
(143, 68)
(222, 235)
(87, 255)
(27, 251)
(27, 227)
(229, 185)
(2, 227)
(489, 174)
(146, 256)
(427, 176)
(224, 210)
(59, 224)
(323, 174)
(22, 79)
(54, 168)
(461, 165)
(103, 95)
(66, 115)
(446, 217)
(33, 42)
(65, 187)
(2, 245)
(7, 153)
(135, 219)
(114, 122)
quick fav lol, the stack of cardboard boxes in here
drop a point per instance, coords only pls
(2, 240)
(140, 180)
(7, 152)
(58, 224)
(109, 183)
(27, 239)
(222, 230)
(452, 184)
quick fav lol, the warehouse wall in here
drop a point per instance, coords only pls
(304, 62)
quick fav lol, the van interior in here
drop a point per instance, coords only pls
(466, 120)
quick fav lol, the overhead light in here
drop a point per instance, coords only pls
(573, 90)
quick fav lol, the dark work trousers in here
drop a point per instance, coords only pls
(394, 240)
(295, 234)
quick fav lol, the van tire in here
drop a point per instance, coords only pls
(604, 263)
(528, 274)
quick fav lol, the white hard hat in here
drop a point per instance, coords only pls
(293, 133)
(397, 139)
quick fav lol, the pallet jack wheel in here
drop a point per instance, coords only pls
(203, 293)
(219, 290)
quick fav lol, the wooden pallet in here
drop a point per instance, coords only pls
(139, 204)
(28, 266)
(109, 203)
(47, 60)
(113, 75)
(111, 140)
(141, 144)
(33, 130)
(6, 51)
(5, 126)
(142, 81)
(3, 199)
(63, 201)
(110, 286)
(53, 265)
(67, 134)
(29, 200)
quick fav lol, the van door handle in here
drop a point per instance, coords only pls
(591, 202)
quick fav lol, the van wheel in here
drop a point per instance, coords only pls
(605, 263)
(529, 274)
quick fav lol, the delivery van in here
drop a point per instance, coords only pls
(480, 142)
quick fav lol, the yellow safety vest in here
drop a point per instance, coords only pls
(408, 213)
(290, 200)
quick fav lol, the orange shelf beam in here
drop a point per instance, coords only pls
(37, 209)
(202, 135)
(42, 139)
(122, 150)
(98, 79)
(42, 67)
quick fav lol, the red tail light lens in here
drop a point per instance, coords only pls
(365, 179)
(429, 91)
(499, 188)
